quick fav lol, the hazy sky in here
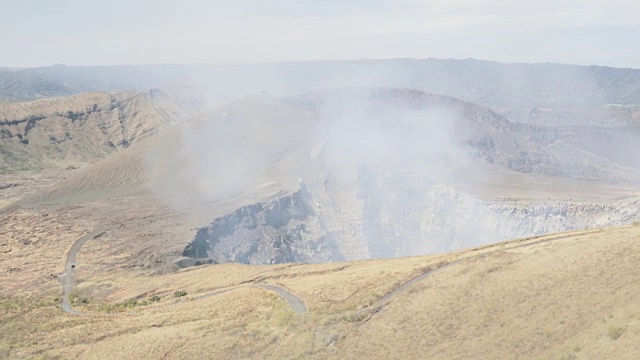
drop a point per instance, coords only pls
(40, 32)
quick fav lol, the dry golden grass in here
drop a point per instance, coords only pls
(34, 242)
(573, 297)
(29, 254)
(545, 301)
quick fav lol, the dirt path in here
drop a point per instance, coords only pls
(378, 305)
(294, 302)
(387, 298)
(68, 277)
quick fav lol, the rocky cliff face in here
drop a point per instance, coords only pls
(454, 220)
(415, 220)
(286, 229)
(85, 127)
(391, 216)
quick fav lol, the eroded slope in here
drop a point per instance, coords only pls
(83, 128)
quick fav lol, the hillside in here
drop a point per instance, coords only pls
(364, 130)
(83, 128)
(565, 296)
(258, 230)
(344, 174)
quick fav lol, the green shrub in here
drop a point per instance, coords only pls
(130, 303)
(154, 298)
(180, 293)
(76, 299)
(615, 332)
(127, 304)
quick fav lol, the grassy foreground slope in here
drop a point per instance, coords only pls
(565, 296)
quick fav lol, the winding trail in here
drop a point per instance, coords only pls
(68, 277)
(387, 298)
(296, 304)
(535, 240)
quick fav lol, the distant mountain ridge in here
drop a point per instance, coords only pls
(486, 83)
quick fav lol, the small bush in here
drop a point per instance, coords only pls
(615, 332)
(121, 306)
(180, 293)
(130, 303)
(356, 316)
(75, 299)
(154, 298)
